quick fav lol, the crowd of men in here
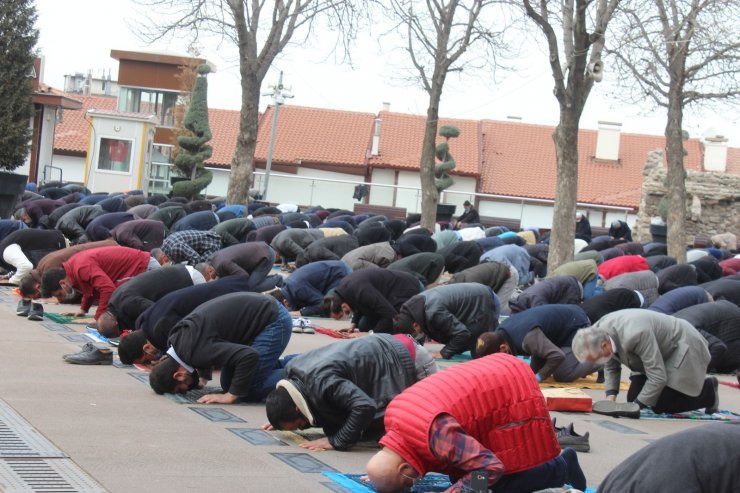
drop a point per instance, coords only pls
(190, 287)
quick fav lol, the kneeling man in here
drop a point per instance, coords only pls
(487, 415)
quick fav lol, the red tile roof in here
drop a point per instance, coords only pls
(512, 158)
(315, 135)
(71, 135)
(519, 160)
(401, 138)
(225, 128)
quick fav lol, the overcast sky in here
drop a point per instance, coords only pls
(78, 36)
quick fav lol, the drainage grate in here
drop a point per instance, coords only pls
(58, 475)
(19, 439)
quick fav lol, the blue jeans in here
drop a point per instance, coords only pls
(270, 344)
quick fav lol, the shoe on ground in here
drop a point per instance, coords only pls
(715, 404)
(567, 437)
(617, 409)
(24, 306)
(36, 313)
(89, 346)
(96, 357)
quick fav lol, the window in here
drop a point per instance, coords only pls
(159, 103)
(115, 155)
(160, 169)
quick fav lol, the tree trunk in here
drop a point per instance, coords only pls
(566, 146)
(676, 177)
(242, 165)
(429, 195)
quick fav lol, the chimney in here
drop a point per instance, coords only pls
(715, 153)
(386, 106)
(514, 118)
(607, 142)
(87, 85)
(375, 147)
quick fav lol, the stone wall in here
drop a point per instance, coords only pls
(712, 200)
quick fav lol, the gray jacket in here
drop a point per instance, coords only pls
(667, 350)
(373, 255)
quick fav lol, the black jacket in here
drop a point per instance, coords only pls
(100, 228)
(244, 259)
(377, 294)
(142, 234)
(564, 290)
(348, 385)
(328, 248)
(157, 320)
(218, 333)
(461, 255)
(74, 222)
(410, 244)
(610, 301)
(131, 298)
(35, 244)
(201, 220)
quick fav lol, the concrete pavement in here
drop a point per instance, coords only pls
(108, 421)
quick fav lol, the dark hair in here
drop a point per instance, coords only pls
(161, 377)
(27, 286)
(131, 347)
(280, 408)
(403, 324)
(332, 304)
(50, 281)
(488, 343)
(278, 294)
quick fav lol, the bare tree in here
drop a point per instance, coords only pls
(674, 53)
(260, 31)
(574, 70)
(438, 34)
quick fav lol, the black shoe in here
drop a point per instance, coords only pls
(715, 404)
(600, 376)
(567, 437)
(24, 306)
(95, 357)
(617, 409)
(574, 473)
(89, 346)
(37, 312)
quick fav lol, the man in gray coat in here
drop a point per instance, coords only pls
(667, 356)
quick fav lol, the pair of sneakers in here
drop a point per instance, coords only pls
(27, 308)
(302, 326)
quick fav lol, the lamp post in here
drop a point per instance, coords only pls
(278, 92)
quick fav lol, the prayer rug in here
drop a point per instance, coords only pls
(302, 436)
(693, 415)
(332, 333)
(588, 382)
(431, 482)
(66, 319)
(95, 336)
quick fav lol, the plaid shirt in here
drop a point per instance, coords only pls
(191, 246)
(453, 447)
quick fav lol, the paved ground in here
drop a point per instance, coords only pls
(108, 422)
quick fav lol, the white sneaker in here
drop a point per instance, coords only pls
(302, 325)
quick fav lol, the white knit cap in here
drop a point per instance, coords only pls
(297, 397)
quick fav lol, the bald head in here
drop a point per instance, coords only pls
(389, 472)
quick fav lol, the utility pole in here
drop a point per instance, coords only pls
(278, 92)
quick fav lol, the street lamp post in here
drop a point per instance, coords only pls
(278, 92)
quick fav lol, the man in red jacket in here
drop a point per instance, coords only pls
(487, 417)
(96, 273)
